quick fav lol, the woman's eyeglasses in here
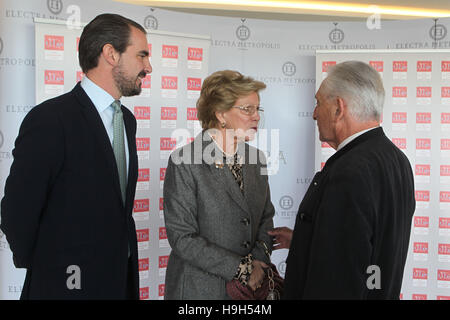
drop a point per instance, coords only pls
(249, 110)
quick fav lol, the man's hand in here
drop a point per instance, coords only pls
(281, 238)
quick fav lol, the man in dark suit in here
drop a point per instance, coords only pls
(67, 208)
(352, 229)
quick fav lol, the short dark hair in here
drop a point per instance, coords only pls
(105, 28)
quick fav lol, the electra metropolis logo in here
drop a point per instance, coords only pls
(3, 154)
(336, 35)
(289, 69)
(438, 32)
(286, 202)
(55, 6)
(243, 42)
(151, 22)
(282, 267)
(243, 32)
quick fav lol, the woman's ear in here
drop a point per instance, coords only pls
(220, 115)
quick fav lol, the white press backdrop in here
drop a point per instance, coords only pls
(280, 53)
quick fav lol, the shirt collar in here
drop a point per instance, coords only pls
(352, 137)
(99, 97)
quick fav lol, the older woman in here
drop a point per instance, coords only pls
(217, 206)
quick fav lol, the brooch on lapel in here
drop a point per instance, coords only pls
(218, 164)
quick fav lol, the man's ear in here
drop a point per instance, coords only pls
(110, 54)
(341, 108)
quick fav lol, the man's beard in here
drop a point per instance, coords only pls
(126, 85)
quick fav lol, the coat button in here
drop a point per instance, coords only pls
(302, 215)
(245, 245)
(245, 221)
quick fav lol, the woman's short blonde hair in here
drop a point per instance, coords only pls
(220, 91)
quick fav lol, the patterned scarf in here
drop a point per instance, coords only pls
(235, 166)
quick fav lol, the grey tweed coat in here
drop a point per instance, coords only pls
(210, 224)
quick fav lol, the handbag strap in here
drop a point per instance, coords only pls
(271, 281)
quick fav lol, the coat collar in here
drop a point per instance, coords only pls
(377, 132)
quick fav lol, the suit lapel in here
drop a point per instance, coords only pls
(253, 191)
(250, 186)
(234, 191)
(132, 155)
(99, 134)
(224, 177)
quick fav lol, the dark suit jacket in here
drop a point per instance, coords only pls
(210, 224)
(62, 203)
(356, 213)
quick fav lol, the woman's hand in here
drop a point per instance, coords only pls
(281, 238)
(257, 275)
